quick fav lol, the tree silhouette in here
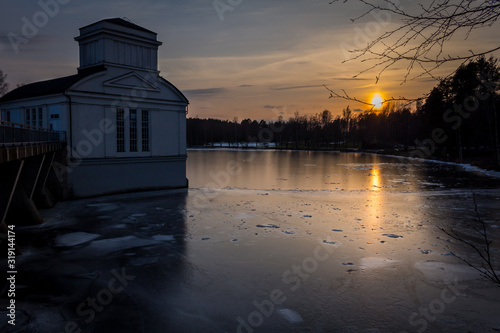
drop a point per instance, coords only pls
(4, 86)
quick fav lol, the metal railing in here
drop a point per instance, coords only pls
(13, 134)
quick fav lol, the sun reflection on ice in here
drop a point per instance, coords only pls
(375, 179)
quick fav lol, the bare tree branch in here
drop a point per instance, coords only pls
(345, 96)
(487, 270)
(421, 37)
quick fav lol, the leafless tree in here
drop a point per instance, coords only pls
(420, 37)
(486, 267)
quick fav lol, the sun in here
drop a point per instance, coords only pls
(377, 101)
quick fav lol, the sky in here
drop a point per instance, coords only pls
(241, 59)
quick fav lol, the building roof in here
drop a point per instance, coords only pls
(49, 87)
(122, 22)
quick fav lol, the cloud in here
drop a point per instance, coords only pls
(272, 106)
(205, 92)
(358, 110)
(350, 79)
(299, 87)
(245, 85)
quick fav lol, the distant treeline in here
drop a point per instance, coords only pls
(459, 116)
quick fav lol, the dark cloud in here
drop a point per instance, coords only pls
(205, 92)
(246, 85)
(299, 87)
(272, 106)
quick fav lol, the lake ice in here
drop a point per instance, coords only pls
(291, 242)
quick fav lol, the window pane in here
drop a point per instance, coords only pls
(133, 130)
(120, 130)
(145, 130)
(33, 117)
(27, 116)
(40, 117)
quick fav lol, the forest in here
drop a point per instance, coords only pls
(457, 121)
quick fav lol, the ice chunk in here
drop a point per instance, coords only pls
(291, 316)
(109, 245)
(164, 237)
(75, 238)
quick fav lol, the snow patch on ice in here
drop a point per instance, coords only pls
(75, 238)
(243, 216)
(376, 262)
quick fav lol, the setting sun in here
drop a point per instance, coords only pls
(377, 101)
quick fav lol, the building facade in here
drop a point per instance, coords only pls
(125, 124)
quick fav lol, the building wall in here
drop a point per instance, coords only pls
(53, 108)
(98, 177)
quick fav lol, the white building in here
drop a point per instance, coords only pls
(125, 124)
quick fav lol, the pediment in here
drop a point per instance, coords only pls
(131, 81)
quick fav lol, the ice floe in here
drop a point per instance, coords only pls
(163, 237)
(105, 246)
(75, 238)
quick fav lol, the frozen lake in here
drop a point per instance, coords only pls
(269, 241)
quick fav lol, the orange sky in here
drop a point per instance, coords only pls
(258, 59)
